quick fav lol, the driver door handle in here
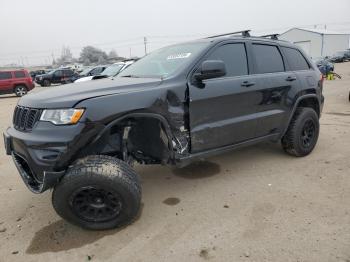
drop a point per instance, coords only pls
(247, 83)
(291, 78)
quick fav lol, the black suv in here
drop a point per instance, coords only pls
(58, 76)
(176, 105)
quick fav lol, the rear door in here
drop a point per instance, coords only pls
(58, 76)
(6, 82)
(274, 84)
(298, 64)
(222, 110)
(68, 75)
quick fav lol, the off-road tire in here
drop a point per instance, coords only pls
(292, 141)
(20, 90)
(46, 83)
(104, 173)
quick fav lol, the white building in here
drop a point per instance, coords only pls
(315, 42)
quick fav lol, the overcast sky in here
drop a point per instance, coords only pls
(31, 30)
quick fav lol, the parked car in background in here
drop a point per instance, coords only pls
(112, 70)
(92, 71)
(57, 76)
(33, 74)
(17, 81)
(347, 54)
(339, 57)
(324, 65)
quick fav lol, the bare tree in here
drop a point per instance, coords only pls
(112, 54)
(66, 56)
(92, 55)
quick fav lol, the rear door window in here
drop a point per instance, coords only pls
(68, 73)
(268, 59)
(234, 56)
(295, 59)
(58, 73)
(5, 75)
(20, 74)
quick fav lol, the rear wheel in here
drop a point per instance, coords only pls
(21, 90)
(302, 133)
(98, 192)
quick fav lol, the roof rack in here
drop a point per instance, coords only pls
(272, 36)
(244, 33)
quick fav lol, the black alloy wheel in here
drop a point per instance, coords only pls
(308, 133)
(95, 204)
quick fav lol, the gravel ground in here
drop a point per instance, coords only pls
(254, 204)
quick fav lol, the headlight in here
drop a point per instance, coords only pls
(62, 116)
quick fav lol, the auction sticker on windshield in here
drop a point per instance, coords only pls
(178, 56)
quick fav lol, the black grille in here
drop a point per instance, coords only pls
(24, 118)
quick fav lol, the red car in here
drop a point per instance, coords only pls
(15, 81)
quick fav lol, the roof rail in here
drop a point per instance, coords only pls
(244, 33)
(272, 36)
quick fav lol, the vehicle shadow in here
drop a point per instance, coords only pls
(63, 236)
(8, 96)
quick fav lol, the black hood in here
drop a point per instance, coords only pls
(67, 96)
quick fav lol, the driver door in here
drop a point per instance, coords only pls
(223, 109)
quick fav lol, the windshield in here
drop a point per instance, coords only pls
(340, 53)
(85, 71)
(165, 61)
(112, 70)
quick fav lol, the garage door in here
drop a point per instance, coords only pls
(305, 45)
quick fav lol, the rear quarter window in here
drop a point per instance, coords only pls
(295, 59)
(268, 59)
(20, 74)
(5, 75)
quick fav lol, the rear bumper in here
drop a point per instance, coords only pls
(32, 85)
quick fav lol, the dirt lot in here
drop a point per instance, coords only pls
(254, 204)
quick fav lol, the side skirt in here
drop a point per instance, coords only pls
(181, 162)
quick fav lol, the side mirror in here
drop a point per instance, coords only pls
(211, 69)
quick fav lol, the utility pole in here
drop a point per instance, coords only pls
(129, 52)
(145, 43)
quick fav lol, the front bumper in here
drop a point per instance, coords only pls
(43, 156)
(39, 81)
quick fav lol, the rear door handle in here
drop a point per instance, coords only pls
(247, 83)
(291, 78)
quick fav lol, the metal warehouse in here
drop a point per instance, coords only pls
(317, 43)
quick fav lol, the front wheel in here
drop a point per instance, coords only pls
(302, 133)
(98, 192)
